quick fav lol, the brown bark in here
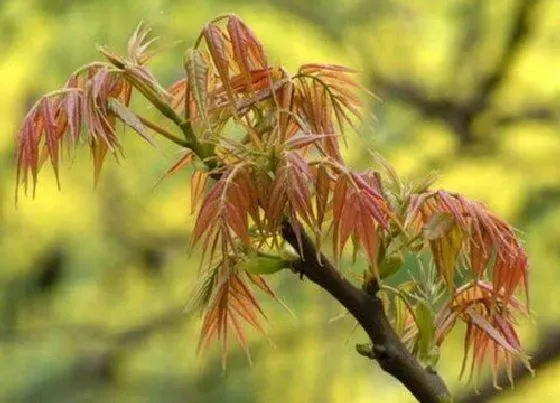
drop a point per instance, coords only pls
(387, 349)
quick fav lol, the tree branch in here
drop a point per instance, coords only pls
(532, 114)
(519, 33)
(391, 354)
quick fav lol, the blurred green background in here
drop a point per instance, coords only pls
(92, 283)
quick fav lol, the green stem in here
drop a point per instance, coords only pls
(203, 152)
(164, 132)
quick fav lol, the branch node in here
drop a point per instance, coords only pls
(370, 285)
(372, 351)
(297, 268)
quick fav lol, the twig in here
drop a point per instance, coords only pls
(162, 131)
(519, 33)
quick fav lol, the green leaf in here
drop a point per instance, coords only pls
(200, 165)
(390, 265)
(425, 347)
(202, 290)
(400, 315)
(263, 263)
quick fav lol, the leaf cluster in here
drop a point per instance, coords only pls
(287, 165)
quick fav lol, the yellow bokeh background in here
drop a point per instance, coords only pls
(81, 267)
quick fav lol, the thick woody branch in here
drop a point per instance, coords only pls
(387, 349)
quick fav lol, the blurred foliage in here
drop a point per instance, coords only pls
(92, 282)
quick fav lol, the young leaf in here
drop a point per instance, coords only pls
(438, 225)
(445, 252)
(220, 53)
(390, 265)
(239, 44)
(198, 181)
(264, 264)
(197, 74)
(129, 118)
(426, 329)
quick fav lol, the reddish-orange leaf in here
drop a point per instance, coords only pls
(27, 154)
(322, 189)
(485, 236)
(98, 152)
(178, 92)
(255, 48)
(198, 181)
(240, 50)
(276, 200)
(246, 191)
(339, 196)
(72, 107)
(316, 67)
(262, 185)
(51, 140)
(225, 210)
(339, 199)
(490, 331)
(240, 306)
(348, 220)
(237, 221)
(208, 211)
(233, 301)
(299, 194)
(367, 234)
(303, 140)
(220, 53)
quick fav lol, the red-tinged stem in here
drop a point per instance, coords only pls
(86, 67)
(51, 94)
